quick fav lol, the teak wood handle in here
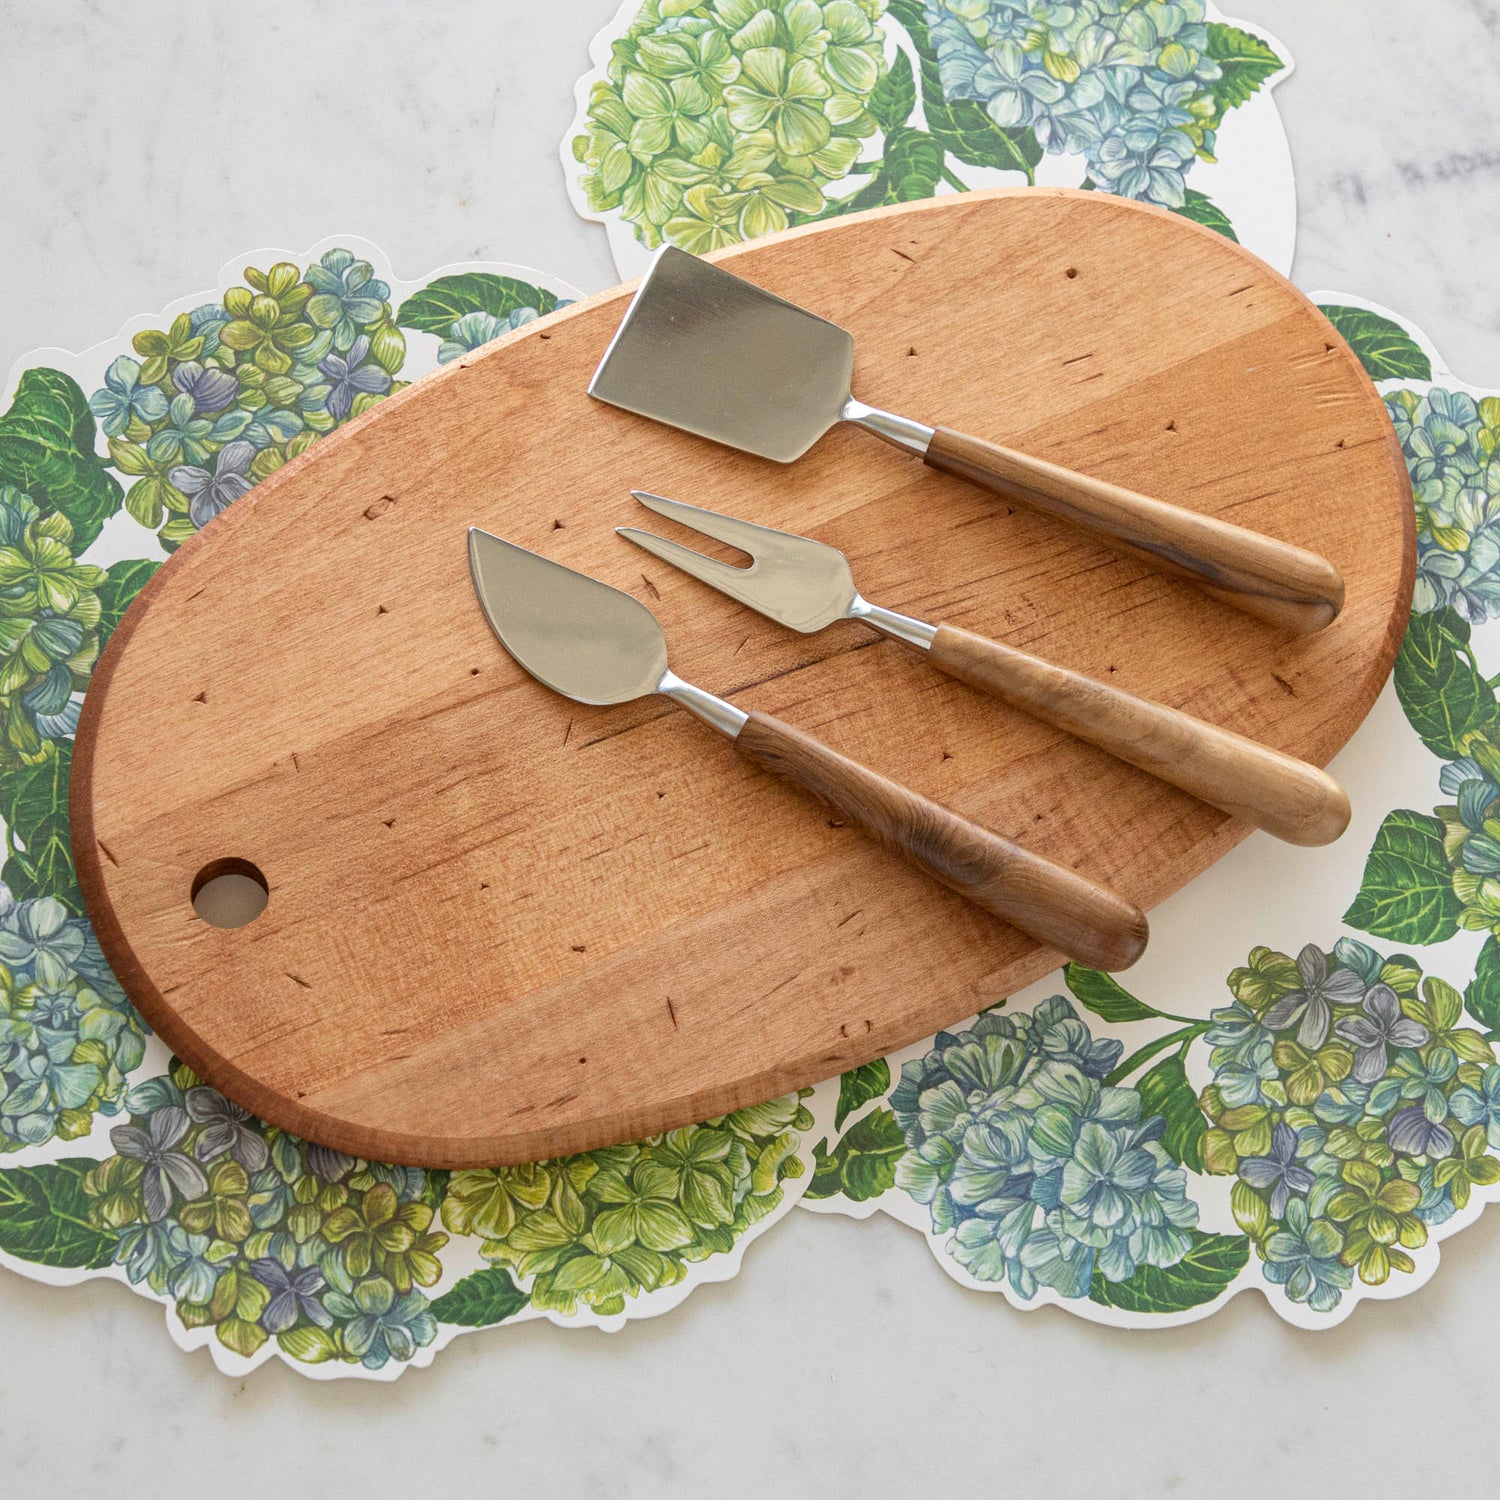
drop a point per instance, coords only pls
(1281, 584)
(1055, 905)
(1285, 796)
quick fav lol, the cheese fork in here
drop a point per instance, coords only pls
(807, 585)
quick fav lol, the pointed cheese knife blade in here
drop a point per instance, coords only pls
(713, 354)
(595, 644)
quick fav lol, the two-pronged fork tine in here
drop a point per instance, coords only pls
(807, 585)
(792, 579)
(720, 575)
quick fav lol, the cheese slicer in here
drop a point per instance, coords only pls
(714, 354)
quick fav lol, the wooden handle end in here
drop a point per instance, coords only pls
(1285, 586)
(1057, 906)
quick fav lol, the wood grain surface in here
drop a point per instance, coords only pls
(1092, 924)
(1264, 787)
(1287, 586)
(502, 925)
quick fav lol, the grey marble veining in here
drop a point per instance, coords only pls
(140, 146)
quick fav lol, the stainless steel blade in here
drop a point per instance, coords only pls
(793, 580)
(580, 637)
(797, 582)
(706, 351)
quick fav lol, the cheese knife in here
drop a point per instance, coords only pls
(597, 645)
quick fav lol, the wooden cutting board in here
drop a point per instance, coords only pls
(503, 926)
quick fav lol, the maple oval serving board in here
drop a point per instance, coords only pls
(502, 925)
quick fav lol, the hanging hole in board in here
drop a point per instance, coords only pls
(229, 893)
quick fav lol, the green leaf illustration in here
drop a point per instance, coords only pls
(1482, 998)
(441, 303)
(860, 1085)
(1385, 348)
(1165, 1091)
(47, 450)
(1407, 891)
(34, 804)
(863, 1164)
(1201, 1275)
(126, 579)
(962, 126)
(1245, 61)
(895, 96)
(1439, 683)
(44, 1216)
(1104, 997)
(913, 164)
(1201, 209)
(485, 1298)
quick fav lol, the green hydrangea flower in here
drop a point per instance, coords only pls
(261, 1235)
(727, 119)
(1352, 1105)
(49, 619)
(597, 1229)
(237, 388)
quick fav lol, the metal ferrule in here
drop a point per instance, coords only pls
(715, 712)
(914, 632)
(902, 432)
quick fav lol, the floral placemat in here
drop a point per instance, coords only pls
(1297, 1092)
(707, 122)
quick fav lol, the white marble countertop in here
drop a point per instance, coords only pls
(144, 144)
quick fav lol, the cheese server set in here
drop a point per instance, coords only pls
(708, 352)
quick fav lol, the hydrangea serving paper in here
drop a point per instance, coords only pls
(1297, 1092)
(705, 122)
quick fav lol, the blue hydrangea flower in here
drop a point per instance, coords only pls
(382, 1325)
(1413, 1133)
(210, 492)
(273, 426)
(1280, 1170)
(56, 994)
(1303, 1257)
(1381, 1027)
(166, 1173)
(211, 388)
(347, 296)
(206, 322)
(1043, 1173)
(1436, 1205)
(1480, 1106)
(52, 704)
(293, 1294)
(122, 397)
(193, 1273)
(229, 1129)
(1125, 83)
(1313, 1003)
(476, 328)
(145, 1250)
(1054, 1030)
(1240, 1049)
(349, 375)
(1449, 441)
